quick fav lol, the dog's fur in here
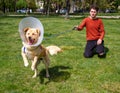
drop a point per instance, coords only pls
(53, 50)
(36, 53)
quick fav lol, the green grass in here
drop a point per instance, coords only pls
(70, 71)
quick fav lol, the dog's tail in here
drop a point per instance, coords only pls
(53, 50)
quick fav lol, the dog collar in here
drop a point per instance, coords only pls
(32, 23)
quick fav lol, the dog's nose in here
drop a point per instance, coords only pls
(29, 37)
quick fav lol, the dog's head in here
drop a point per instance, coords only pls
(32, 35)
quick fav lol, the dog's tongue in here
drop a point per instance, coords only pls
(31, 41)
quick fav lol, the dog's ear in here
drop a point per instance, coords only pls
(38, 31)
(26, 29)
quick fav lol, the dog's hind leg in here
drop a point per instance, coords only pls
(34, 66)
(47, 62)
(35, 73)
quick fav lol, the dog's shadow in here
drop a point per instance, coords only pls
(57, 74)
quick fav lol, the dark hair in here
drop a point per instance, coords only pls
(94, 7)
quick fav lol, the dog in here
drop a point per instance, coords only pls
(36, 53)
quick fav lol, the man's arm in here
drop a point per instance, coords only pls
(102, 33)
(81, 26)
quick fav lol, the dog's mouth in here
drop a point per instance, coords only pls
(31, 41)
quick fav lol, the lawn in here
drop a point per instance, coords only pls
(70, 71)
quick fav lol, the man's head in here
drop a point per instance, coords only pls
(93, 11)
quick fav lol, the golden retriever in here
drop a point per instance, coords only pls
(36, 53)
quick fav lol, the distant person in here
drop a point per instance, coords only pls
(30, 10)
(94, 34)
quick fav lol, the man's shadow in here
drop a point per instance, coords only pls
(106, 50)
(57, 74)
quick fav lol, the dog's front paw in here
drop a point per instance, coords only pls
(26, 64)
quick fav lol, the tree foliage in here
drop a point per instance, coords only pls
(31, 4)
(52, 5)
(21, 4)
(7, 5)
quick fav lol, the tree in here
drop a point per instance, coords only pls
(83, 6)
(21, 4)
(104, 4)
(31, 4)
(7, 5)
(3, 6)
(67, 8)
(52, 5)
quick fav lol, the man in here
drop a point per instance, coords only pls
(94, 34)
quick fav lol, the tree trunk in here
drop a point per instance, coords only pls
(3, 8)
(48, 7)
(67, 9)
(83, 6)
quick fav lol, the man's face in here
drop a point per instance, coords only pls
(93, 13)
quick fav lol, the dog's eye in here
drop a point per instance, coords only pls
(33, 34)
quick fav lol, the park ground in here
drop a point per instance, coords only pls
(70, 71)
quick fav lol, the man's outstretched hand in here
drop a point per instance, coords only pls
(75, 28)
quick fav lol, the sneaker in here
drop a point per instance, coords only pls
(102, 55)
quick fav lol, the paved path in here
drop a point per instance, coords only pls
(75, 16)
(116, 17)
